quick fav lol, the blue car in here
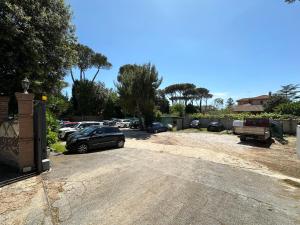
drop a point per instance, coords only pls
(157, 127)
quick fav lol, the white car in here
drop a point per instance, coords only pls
(123, 123)
(63, 133)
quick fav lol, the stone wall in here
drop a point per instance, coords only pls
(289, 126)
(16, 136)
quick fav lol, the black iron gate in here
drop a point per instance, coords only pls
(40, 132)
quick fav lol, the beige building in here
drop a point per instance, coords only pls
(253, 105)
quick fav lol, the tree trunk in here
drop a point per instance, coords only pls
(72, 76)
(96, 74)
(200, 104)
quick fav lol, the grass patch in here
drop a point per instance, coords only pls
(58, 147)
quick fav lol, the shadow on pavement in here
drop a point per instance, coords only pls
(136, 134)
(255, 143)
(8, 173)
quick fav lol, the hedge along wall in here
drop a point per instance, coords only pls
(289, 125)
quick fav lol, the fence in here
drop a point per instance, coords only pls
(289, 126)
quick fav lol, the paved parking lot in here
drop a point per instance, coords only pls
(156, 179)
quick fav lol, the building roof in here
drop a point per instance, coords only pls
(261, 97)
(248, 108)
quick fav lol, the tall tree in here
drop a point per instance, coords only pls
(274, 101)
(218, 102)
(206, 97)
(175, 92)
(88, 98)
(162, 102)
(137, 86)
(86, 59)
(201, 94)
(36, 42)
(290, 92)
(229, 103)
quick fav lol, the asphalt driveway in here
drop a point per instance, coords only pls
(136, 186)
(140, 185)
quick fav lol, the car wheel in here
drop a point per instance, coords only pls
(120, 144)
(242, 138)
(82, 148)
(155, 131)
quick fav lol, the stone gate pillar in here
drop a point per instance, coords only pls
(26, 136)
(3, 108)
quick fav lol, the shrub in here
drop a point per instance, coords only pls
(190, 109)
(177, 109)
(51, 137)
(157, 115)
(52, 127)
(291, 108)
(241, 116)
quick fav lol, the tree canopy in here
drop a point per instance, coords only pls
(36, 42)
(86, 59)
(137, 86)
(88, 98)
(290, 92)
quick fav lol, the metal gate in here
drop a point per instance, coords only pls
(40, 132)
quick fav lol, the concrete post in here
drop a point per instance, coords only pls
(26, 137)
(298, 140)
(3, 108)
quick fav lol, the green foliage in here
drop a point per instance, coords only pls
(177, 109)
(190, 109)
(290, 92)
(88, 98)
(112, 107)
(137, 86)
(58, 147)
(290, 108)
(58, 104)
(162, 102)
(218, 102)
(229, 103)
(274, 101)
(241, 116)
(157, 115)
(87, 59)
(36, 41)
(52, 128)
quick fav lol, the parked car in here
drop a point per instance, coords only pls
(195, 124)
(69, 124)
(122, 123)
(63, 133)
(215, 127)
(134, 124)
(110, 123)
(94, 138)
(157, 127)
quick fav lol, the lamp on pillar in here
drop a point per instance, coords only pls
(25, 85)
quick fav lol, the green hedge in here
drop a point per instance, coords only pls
(52, 128)
(241, 116)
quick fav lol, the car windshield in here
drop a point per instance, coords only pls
(87, 131)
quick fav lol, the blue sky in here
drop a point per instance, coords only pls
(234, 48)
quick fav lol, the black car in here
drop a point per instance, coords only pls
(215, 126)
(95, 138)
(134, 124)
(157, 127)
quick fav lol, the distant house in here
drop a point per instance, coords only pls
(252, 105)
